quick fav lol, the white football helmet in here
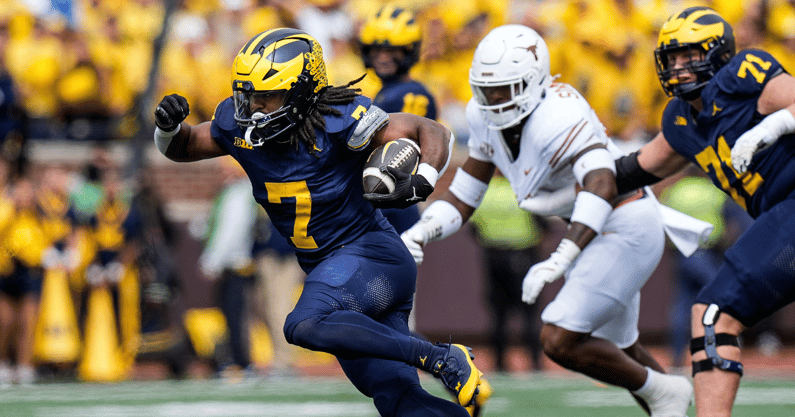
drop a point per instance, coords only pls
(516, 56)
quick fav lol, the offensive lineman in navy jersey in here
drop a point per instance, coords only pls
(390, 44)
(303, 145)
(731, 115)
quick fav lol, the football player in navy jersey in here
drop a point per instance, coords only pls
(390, 44)
(732, 116)
(303, 144)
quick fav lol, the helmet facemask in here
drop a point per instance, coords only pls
(515, 57)
(410, 57)
(277, 125)
(704, 68)
(522, 102)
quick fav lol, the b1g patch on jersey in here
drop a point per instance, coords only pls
(370, 122)
(241, 143)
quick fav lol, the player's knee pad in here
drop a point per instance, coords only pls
(709, 343)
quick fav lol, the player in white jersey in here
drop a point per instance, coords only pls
(547, 141)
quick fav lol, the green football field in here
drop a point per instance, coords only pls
(515, 395)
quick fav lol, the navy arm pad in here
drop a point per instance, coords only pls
(629, 174)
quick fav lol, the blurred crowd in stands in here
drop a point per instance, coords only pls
(90, 71)
(80, 67)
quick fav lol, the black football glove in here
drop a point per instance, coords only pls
(171, 111)
(409, 190)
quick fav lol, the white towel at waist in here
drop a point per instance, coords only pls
(686, 232)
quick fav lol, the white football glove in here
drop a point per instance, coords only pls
(439, 220)
(761, 137)
(414, 239)
(548, 271)
(754, 140)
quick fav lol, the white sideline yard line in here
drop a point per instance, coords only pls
(166, 390)
(216, 409)
(745, 396)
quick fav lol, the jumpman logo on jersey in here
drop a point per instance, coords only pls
(423, 359)
(715, 109)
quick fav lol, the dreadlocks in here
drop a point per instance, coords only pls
(327, 97)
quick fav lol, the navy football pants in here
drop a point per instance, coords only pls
(758, 277)
(355, 305)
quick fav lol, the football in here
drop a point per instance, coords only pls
(403, 154)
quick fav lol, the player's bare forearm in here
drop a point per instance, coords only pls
(580, 234)
(193, 143)
(434, 141)
(178, 148)
(465, 209)
(432, 136)
(660, 159)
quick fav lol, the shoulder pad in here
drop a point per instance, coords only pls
(351, 113)
(748, 72)
(224, 116)
(369, 123)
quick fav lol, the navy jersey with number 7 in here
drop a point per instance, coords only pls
(315, 201)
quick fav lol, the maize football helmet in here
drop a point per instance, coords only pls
(392, 27)
(278, 60)
(515, 56)
(698, 31)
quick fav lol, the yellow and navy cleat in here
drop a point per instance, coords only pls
(458, 373)
(482, 395)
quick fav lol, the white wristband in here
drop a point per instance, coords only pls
(591, 210)
(598, 158)
(439, 220)
(467, 188)
(430, 173)
(779, 123)
(163, 139)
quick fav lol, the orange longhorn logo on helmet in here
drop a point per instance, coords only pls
(533, 50)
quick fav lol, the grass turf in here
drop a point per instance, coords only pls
(548, 395)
